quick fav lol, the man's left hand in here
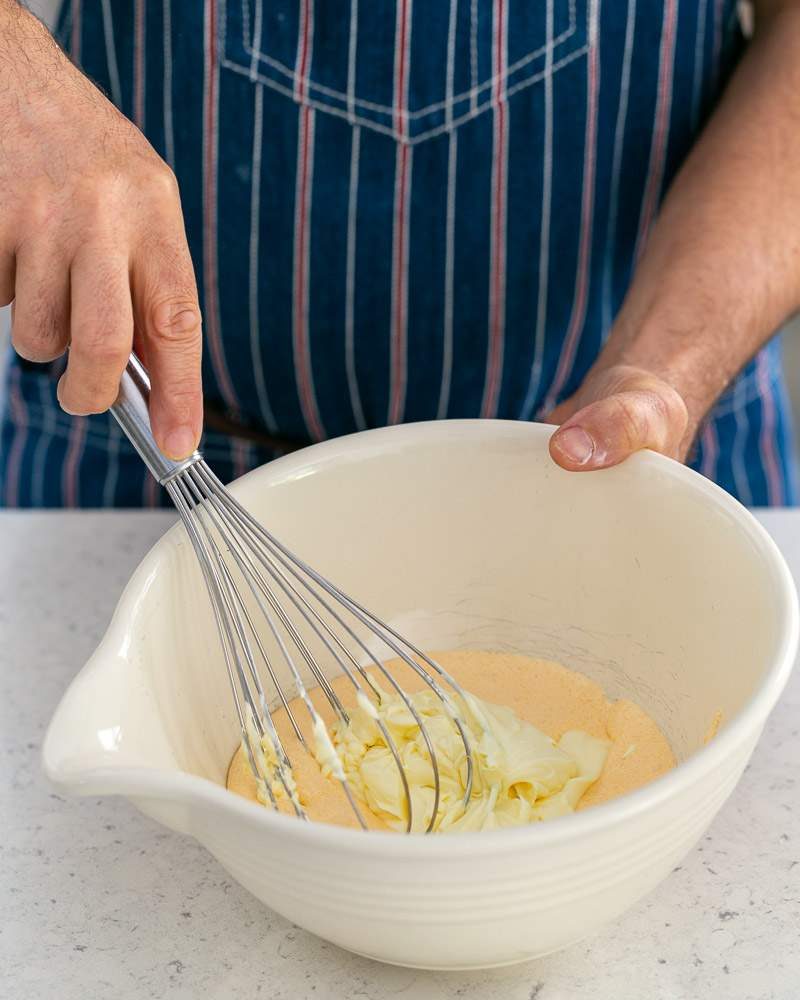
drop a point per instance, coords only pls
(619, 410)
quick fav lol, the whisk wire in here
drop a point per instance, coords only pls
(229, 626)
(305, 614)
(207, 507)
(394, 642)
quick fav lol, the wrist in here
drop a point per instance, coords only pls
(692, 355)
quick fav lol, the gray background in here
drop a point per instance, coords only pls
(47, 9)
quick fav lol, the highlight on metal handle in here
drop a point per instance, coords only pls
(132, 412)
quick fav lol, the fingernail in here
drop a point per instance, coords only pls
(575, 444)
(179, 443)
(60, 400)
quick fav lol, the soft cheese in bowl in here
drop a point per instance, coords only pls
(646, 579)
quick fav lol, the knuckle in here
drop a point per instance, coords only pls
(107, 200)
(163, 180)
(40, 337)
(183, 396)
(659, 407)
(628, 419)
(158, 180)
(87, 404)
(674, 406)
(175, 319)
(89, 395)
(101, 349)
(39, 209)
(39, 351)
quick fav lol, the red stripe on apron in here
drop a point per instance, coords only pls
(658, 149)
(710, 444)
(19, 414)
(497, 249)
(75, 33)
(766, 441)
(399, 295)
(578, 317)
(139, 64)
(303, 372)
(77, 436)
(210, 165)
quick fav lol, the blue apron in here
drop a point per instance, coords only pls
(400, 211)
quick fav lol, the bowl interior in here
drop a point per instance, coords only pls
(461, 535)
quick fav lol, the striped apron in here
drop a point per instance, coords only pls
(400, 210)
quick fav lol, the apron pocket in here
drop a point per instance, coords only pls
(409, 70)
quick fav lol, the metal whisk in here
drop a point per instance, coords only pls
(255, 584)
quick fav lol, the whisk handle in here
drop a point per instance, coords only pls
(132, 412)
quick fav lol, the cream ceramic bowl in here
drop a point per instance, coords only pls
(646, 577)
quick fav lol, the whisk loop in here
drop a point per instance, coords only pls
(258, 588)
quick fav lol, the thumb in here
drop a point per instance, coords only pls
(607, 431)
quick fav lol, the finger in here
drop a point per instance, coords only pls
(40, 321)
(606, 432)
(101, 330)
(7, 272)
(168, 323)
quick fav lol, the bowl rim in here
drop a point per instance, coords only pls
(193, 790)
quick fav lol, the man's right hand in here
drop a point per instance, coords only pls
(93, 250)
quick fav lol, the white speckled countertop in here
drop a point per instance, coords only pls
(97, 901)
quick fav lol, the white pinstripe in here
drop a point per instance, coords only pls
(449, 277)
(213, 317)
(169, 130)
(351, 61)
(710, 444)
(304, 184)
(451, 64)
(45, 437)
(399, 296)
(473, 56)
(741, 434)
(111, 54)
(319, 105)
(583, 273)
(301, 254)
(534, 384)
(717, 49)
(140, 62)
(766, 438)
(661, 126)
(450, 224)
(305, 47)
(70, 471)
(258, 27)
(489, 84)
(255, 232)
(498, 239)
(352, 230)
(112, 463)
(76, 32)
(699, 60)
(19, 414)
(398, 376)
(790, 467)
(350, 283)
(150, 490)
(616, 170)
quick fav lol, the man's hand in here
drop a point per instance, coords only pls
(720, 270)
(92, 244)
(617, 411)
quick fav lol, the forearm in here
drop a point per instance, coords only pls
(721, 269)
